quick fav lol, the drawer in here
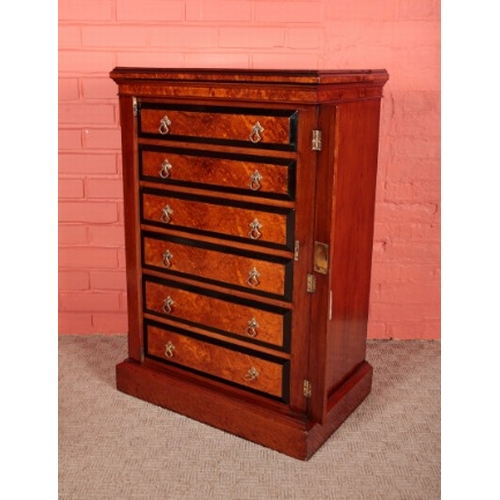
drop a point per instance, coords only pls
(218, 217)
(217, 360)
(227, 172)
(249, 271)
(218, 313)
(275, 129)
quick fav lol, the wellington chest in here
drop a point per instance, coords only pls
(249, 204)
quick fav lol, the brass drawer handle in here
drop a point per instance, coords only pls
(166, 214)
(255, 136)
(169, 350)
(251, 329)
(253, 277)
(164, 125)
(164, 172)
(255, 179)
(167, 258)
(167, 305)
(251, 374)
(255, 227)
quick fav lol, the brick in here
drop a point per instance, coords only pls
(377, 330)
(411, 252)
(69, 37)
(420, 213)
(415, 191)
(73, 280)
(406, 169)
(87, 258)
(71, 323)
(358, 34)
(69, 139)
(104, 188)
(419, 102)
(251, 38)
(73, 234)
(90, 10)
(88, 212)
(84, 164)
(149, 10)
(150, 58)
(108, 280)
(289, 60)
(68, 89)
(409, 330)
(288, 12)
(185, 37)
(421, 125)
(82, 62)
(390, 272)
(71, 188)
(396, 311)
(78, 113)
(122, 261)
(107, 235)
(426, 232)
(109, 139)
(420, 9)
(408, 292)
(427, 59)
(418, 147)
(415, 33)
(219, 10)
(99, 88)
(193, 10)
(114, 36)
(110, 323)
(216, 60)
(430, 232)
(90, 301)
(361, 10)
(305, 38)
(354, 53)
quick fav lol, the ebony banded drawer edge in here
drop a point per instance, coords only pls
(287, 213)
(260, 206)
(291, 114)
(283, 363)
(288, 265)
(287, 163)
(286, 314)
(188, 240)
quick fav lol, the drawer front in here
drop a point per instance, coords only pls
(217, 265)
(217, 314)
(241, 126)
(216, 359)
(247, 174)
(207, 216)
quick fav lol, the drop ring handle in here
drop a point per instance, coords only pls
(255, 136)
(164, 125)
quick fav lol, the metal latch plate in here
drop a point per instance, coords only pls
(321, 251)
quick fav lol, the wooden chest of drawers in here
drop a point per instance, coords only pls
(249, 202)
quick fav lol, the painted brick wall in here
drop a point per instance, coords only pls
(402, 36)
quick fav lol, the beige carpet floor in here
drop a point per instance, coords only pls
(113, 446)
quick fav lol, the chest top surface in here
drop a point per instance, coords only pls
(307, 86)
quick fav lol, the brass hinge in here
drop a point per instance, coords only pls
(307, 389)
(316, 140)
(135, 107)
(296, 250)
(311, 283)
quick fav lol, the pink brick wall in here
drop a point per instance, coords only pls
(402, 36)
